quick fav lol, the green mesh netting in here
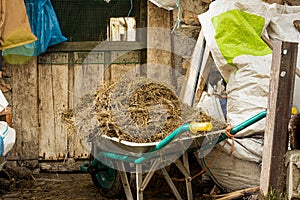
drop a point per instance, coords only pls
(87, 20)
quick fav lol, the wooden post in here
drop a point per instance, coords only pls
(158, 43)
(279, 111)
(25, 110)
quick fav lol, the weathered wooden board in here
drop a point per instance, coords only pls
(53, 100)
(86, 46)
(25, 110)
(60, 101)
(121, 69)
(273, 171)
(131, 71)
(89, 72)
(199, 69)
(203, 76)
(87, 76)
(159, 44)
(46, 111)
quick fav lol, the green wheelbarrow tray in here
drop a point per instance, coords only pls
(140, 152)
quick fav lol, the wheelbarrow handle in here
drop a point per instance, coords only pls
(244, 125)
(193, 127)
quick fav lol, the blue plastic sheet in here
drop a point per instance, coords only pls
(44, 25)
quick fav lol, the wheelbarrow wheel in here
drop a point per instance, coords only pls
(108, 181)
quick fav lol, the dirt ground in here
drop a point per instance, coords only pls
(62, 186)
(50, 186)
(25, 184)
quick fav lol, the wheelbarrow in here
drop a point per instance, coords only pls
(111, 167)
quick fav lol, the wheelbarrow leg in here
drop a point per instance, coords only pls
(124, 180)
(150, 174)
(139, 179)
(184, 168)
(188, 179)
(171, 184)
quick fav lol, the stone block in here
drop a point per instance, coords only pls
(293, 174)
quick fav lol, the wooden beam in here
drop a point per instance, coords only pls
(234, 195)
(270, 44)
(97, 46)
(204, 72)
(158, 43)
(199, 59)
(279, 111)
(25, 110)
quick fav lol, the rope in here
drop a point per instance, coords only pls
(205, 168)
(229, 135)
(131, 6)
(177, 25)
(178, 13)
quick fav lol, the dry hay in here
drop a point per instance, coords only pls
(143, 111)
(68, 119)
(140, 111)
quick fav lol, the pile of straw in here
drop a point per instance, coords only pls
(143, 111)
(140, 111)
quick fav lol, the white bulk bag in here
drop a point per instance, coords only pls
(7, 138)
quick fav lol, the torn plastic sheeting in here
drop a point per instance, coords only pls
(45, 26)
(14, 25)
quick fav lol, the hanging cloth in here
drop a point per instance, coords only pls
(14, 24)
(45, 26)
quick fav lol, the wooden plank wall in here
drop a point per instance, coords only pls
(48, 85)
(131, 69)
